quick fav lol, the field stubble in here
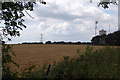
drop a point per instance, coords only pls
(40, 54)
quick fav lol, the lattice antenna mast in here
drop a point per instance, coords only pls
(41, 37)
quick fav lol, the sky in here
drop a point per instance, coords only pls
(67, 20)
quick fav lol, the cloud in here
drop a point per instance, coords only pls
(67, 20)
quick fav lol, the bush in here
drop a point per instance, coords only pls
(102, 63)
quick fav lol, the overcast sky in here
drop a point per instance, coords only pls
(67, 20)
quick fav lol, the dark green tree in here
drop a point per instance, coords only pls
(95, 40)
(48, 42)
(12, 16)
(112, 39)
(105, 3)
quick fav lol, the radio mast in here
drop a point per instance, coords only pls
(41, 37)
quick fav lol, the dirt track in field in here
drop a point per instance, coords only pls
(43, 54)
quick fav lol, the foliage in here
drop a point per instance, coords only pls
(105, 3)
(110, 39)
(48, 42)
(88, 50)
(7, 54)
(62, 42)
(25, 72)
(113, 39)
(12, 15)
(32, 43)
(101, 63)
(30, 72)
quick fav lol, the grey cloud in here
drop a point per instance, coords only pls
(51, 17)
(59, 15)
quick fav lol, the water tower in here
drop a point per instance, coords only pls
(102, 32)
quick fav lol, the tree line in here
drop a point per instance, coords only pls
(112, 39)
(59, 42)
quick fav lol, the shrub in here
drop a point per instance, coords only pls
(102, 63)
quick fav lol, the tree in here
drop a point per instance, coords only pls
(48, 42)
(112, 39)
(12, 14)
(105, 3)
(95, 40)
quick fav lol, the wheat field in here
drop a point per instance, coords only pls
(40, 54)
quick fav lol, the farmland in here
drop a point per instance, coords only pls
(87, 62)
(40, 54)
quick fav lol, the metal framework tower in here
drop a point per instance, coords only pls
(41, 37)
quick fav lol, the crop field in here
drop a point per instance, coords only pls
(40, 54)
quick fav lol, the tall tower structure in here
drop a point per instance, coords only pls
(96, 22)
(41, 37)
(109, 29)
(118, 15)
(102, 32)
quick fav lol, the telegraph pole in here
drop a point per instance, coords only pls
(41, 37)
(109, 29)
